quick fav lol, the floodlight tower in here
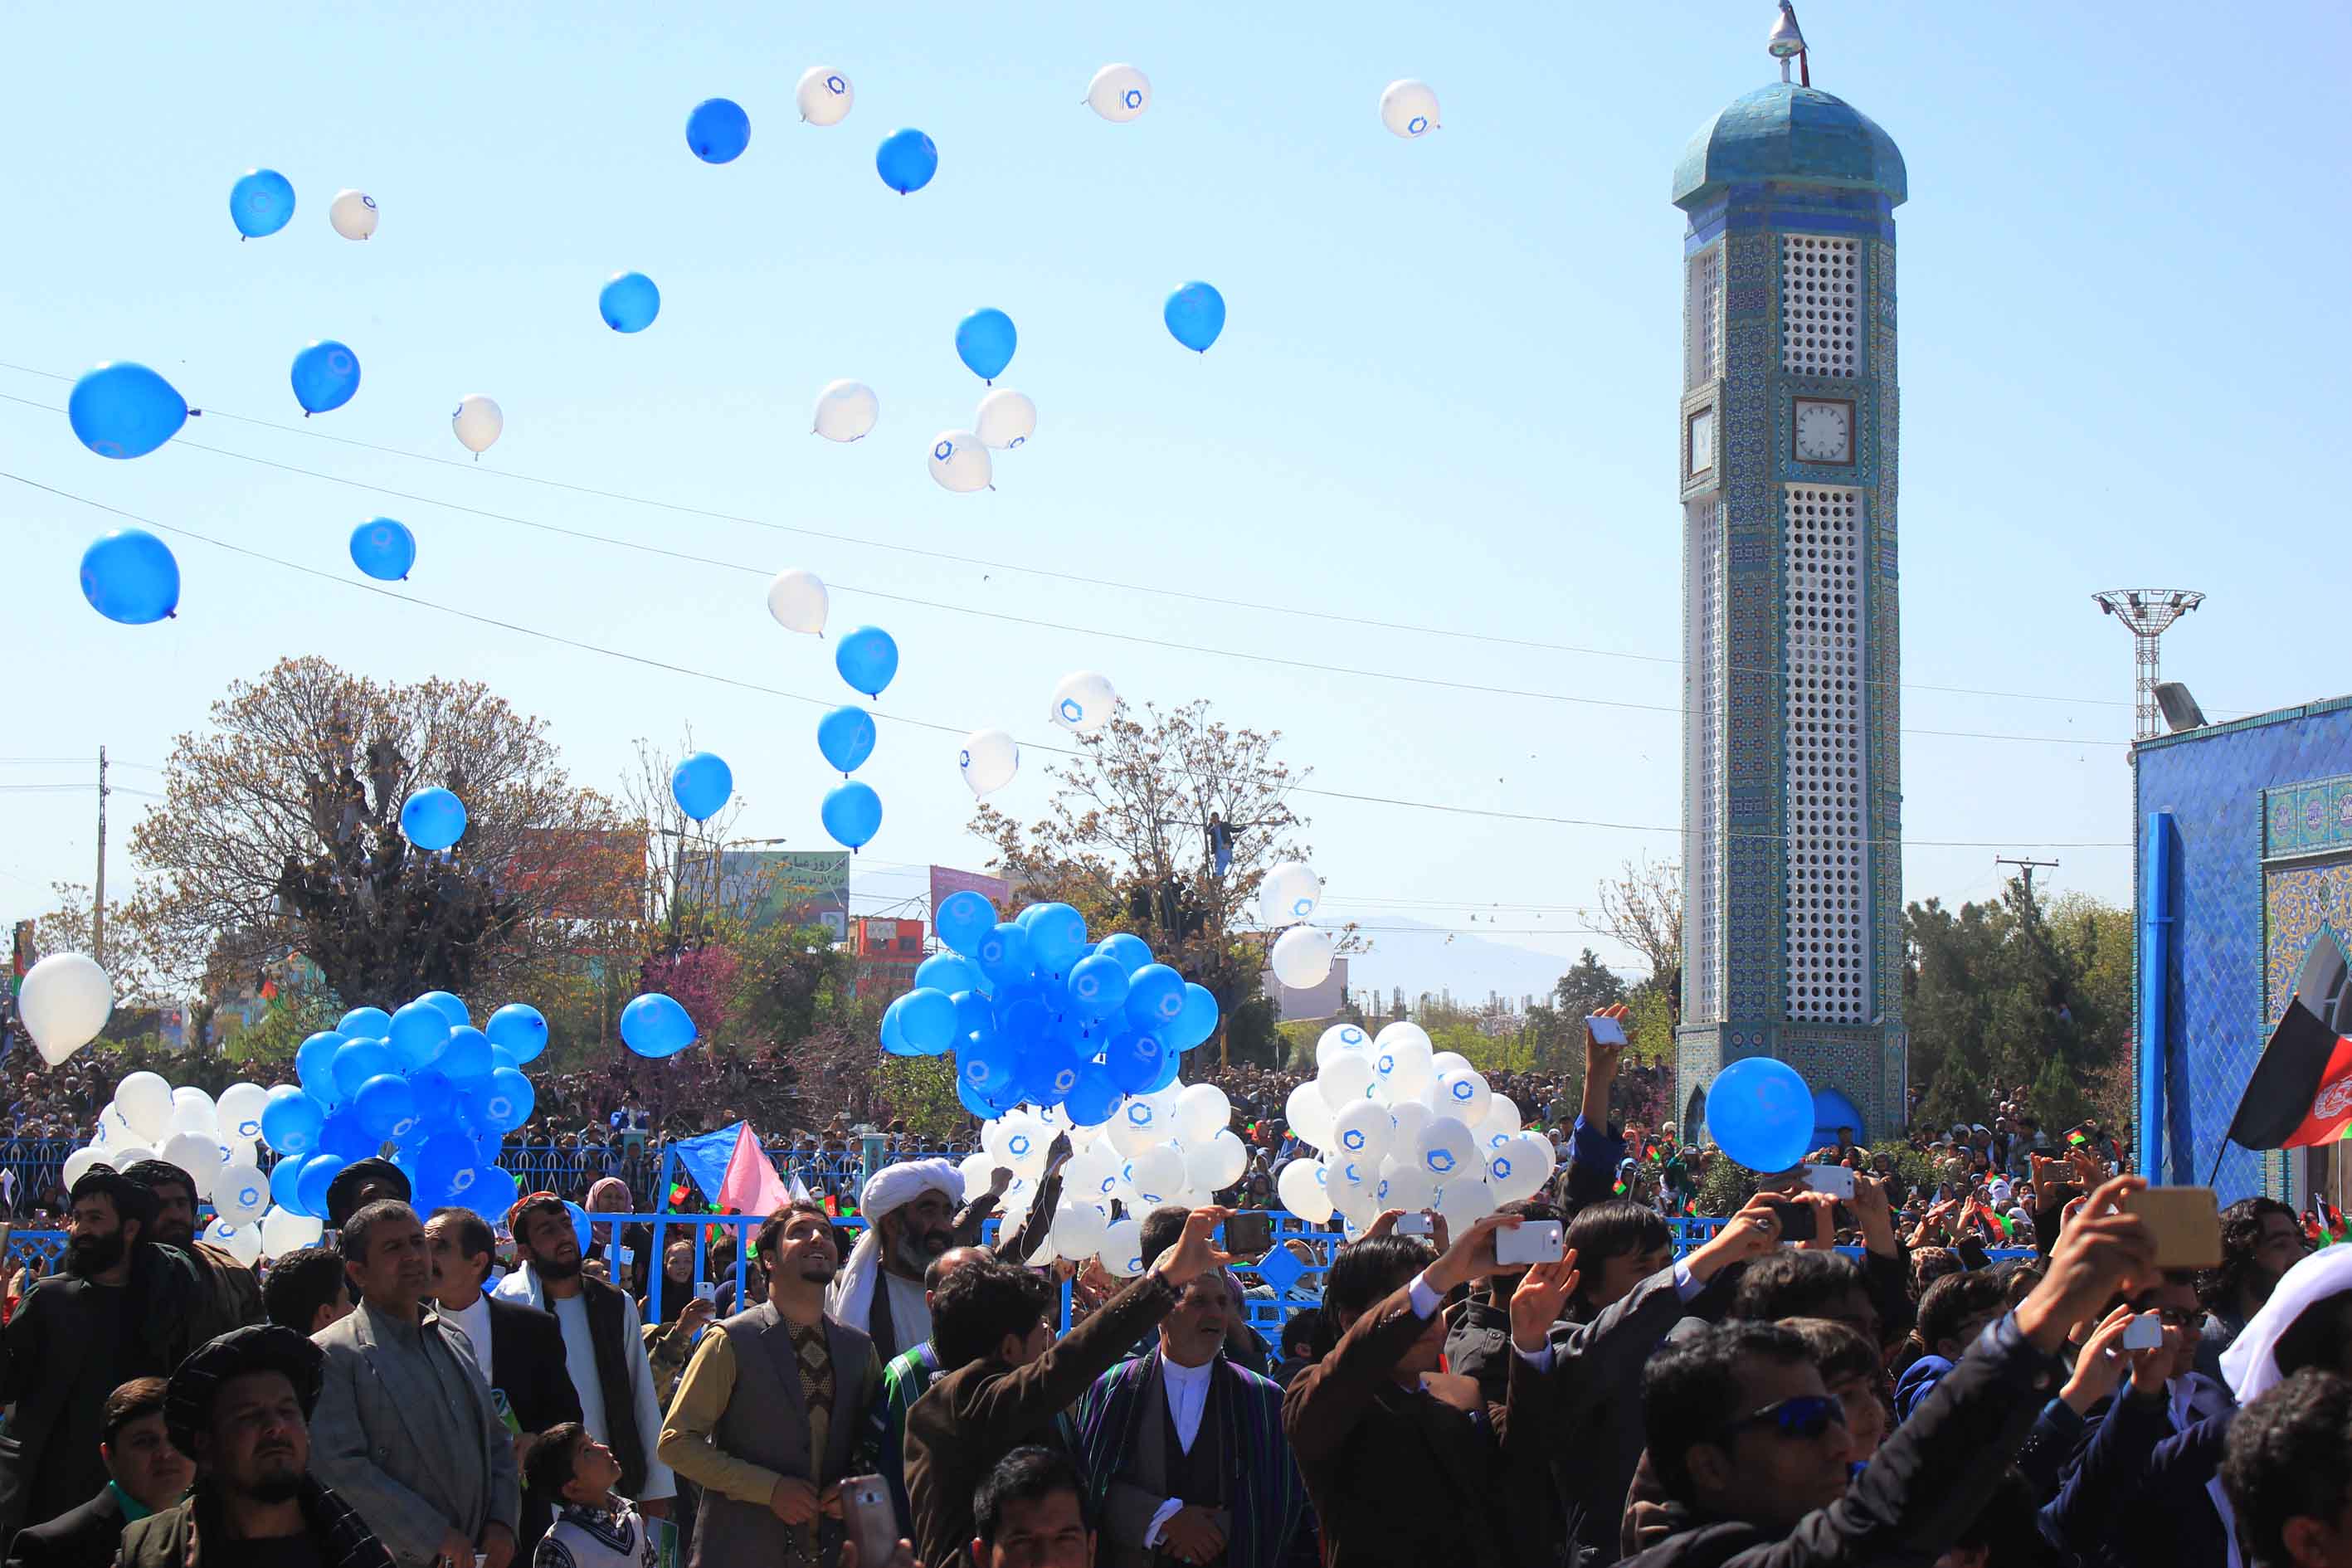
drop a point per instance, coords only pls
(2150, 614)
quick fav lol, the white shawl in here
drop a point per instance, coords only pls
(891, 1188)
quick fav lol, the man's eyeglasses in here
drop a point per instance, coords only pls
(1804, 1417)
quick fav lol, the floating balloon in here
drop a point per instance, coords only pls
(1057, 936)
(1197, 1022)
(1157, 1174)
(1340, 1038)
(363, 1024)
(433, 818)
(824, 96)
(797, 600)
(64, 1002)
(1132, 951)
(240, 1241)
(261, 203)
(1463, 1093)
(356, 1062)
(1203, 1110)
(1118, 93)
(954, 973)
(851, 813)
(629, 302)
(419, 1032)
(1760, 1114)
(1463, 1199)
(1005, 419)
(452, 1006)
(325, 377)
(128, 575)
(907, 161)
(386, 1106)
(145, 1100)
(1362, 1131)
(989, 760)
(846, 411)
(846, 736)
(292, 1121)
(719, 131)
(122, 409)
(1346, 1079)
(1217, 1162)
(1122, 1248)
(1098, 986)
(1408, 109)
(1155, 996)
(465, 1058)
(1520, 1167)
(964, 920)
(654, 1026)
(1195, 314)
(314, 1065)
(1084, 701)
(1003, 954)
(193, 1111)
(702, 784)
(383, 549)
(1404, 1185)
(1094, 1097)
(504, 1100)
(198, 1153)
(984, 340)
(1309, 1114)
(239, 1110)
(310, 1186)
(477, 422)
(868, 659)
(1134, 1061)
(353, 213)
(518, 1029)
(284, 1231)
(1444, 1146)
(1301, 957)
(960, 461)
(1288, 894)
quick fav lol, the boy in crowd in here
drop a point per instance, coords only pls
(596, 1527)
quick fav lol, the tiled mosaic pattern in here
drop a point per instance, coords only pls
(2308, 816)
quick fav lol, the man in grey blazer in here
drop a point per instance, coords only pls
(406, 1430)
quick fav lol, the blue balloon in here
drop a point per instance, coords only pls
(383, 549)
(433, 818)
(975, 1014)
(867, 659)
(447, 1166)
(285, 1179)
(360, 1061)
(985, 1074)
(1098, 986)
(948, 972)
(502, 1058)
(1196, 1022)
(964, 920)
(985, 1107)
(437, 1099)
(846, 736)
(290, 1121)
(1058, 935)
(128, 575)
(1761, 1114)
(1168, 1064)
(1155, 996)
(385, 1106)
(907, 161)
(419, 1032)
(852, 812)
(656, 1026)
(365, 1024)
(502, 1100)
(314, 1065)
(928, 1019)
(1131, 950)
(580, 1231)
(465, 1059)
(345, 1139)
(452, 1005)
(310, 1186)
(1002, 952)
(122, 409)
(517, 1028)
(1133, 1061)
(702, 784)
(1195, 314)
(984, 341)
(261, 203)
(325, 375)
(719, 131)
(1093, 1098)
(894, 1038)
(493, 1193)
(1023, 1020)
(629, 302)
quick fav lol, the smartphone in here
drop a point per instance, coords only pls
(2145, 1332)
(1796, 1221)
(1837, 1179)
(1250, 1234)
(1532, 1241)
(870, 1518)
(1412, 1224)
(1607, 1030)
(2185, 1222)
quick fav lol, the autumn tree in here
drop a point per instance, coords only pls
(132, 963)
(1643, 909)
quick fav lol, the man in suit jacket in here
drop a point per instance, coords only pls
(406, 1430)
(520, 1349)
(1183, 1450)
(149, 1476)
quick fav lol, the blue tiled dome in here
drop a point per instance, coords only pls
(1789, 132)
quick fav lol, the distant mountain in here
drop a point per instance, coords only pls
(1418, 956)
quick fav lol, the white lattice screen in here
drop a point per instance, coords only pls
(1702, 314)
(1820, 304)
(1822, 708)
(1702, 757)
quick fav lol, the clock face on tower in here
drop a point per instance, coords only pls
(1824, 430)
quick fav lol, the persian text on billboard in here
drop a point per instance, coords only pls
(770, 887)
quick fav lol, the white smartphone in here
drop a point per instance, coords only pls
(1836, 1180)
(1412, 1224)
(1530, 1241)
(2144, 1332)
(1607, 1030)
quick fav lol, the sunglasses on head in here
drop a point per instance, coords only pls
(1804, 1417)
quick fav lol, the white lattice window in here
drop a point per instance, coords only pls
(1702, 318)
(1823, 712)
(1820, 304)
(1702, 756)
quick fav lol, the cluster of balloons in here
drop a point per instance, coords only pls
(1301, 956)
(262, 202)
(719, 130)
(1402, 1126)
(867, 659)
(214, 1143)
(1760, 1113)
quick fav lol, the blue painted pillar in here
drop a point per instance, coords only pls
(2155, 971)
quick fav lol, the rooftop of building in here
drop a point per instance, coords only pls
(1784, 132)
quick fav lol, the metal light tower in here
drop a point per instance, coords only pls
(2150, 614)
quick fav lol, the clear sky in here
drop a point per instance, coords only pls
(1445, 395)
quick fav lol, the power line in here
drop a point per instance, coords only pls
(739, 684)
(1047, 572)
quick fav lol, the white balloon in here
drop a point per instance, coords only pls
(192, 1111)
(477, 423)
(1118, 93)
(198, 1153)
(1005, 419)
(240, 1109)
(1362, 1132)
(1026, 1142)
(145, 1100)
(1304, 1190)
(1404, 1185)
(1502, 1121)
(284, 1231)
(241, 1241)
(1401, 1059)
(1302, 957)
(1408, 109)
(353, 214)
(1141, 1123)
(1349, 1076)
(236, 1152)
(959, 461)
(989, 760)
(1156, 1172)
(64, 1002)
(1201, 1112)
(1519, 1168)
(77, 1164)
(1444, 1062)
(1288, 894)
(1444, 1147)
(1079, 1228)
(1340, 1038)
(1084, 701)
(1406, 1121)
(1465, 1200)
(1122, 1248)
(1308, 1114)
(978, 1170)
(824, 96)
(846, 411)
(1216, 1164)
(1464, 1095)
(1355, 1189)
(797, 600)
(241, 1193)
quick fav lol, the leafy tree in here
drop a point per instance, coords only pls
(921, 1091)
(1586, 989)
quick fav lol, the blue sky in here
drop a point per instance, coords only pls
(1445, 396)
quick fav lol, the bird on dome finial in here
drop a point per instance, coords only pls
(1787, 42)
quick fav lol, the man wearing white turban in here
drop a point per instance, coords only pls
(910, 1219)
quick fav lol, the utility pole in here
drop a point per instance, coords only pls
(97, 910)
(2026, 866)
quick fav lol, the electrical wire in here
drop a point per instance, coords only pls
(740, 684)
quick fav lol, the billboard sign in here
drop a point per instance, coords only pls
(777, 887)
(584, 874)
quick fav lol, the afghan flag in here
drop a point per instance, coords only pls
(2301, 1090)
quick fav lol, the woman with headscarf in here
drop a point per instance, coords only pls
(625, 1259)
